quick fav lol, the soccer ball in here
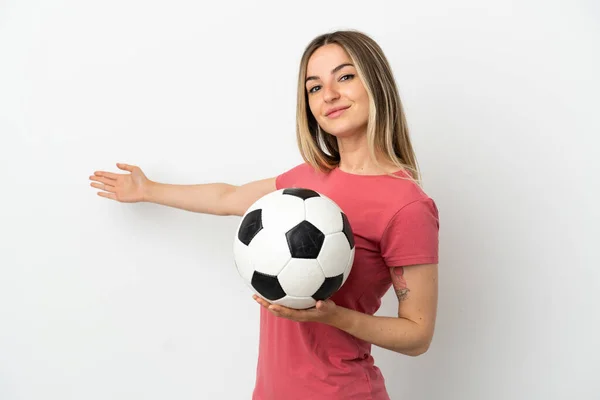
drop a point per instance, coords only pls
(294, 247)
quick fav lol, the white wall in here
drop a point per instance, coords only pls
(101, 300)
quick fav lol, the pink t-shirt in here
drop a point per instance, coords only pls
(394, 224)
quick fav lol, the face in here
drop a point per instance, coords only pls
(336, 96)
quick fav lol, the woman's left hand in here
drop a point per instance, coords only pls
(324, 311)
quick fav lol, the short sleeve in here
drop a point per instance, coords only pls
(412, 235)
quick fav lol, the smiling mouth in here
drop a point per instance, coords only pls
(337, 113)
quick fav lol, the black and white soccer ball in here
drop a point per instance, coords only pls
(294, 247)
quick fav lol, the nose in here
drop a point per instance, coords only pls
(330, 93)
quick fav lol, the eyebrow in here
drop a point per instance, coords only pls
(333, 71)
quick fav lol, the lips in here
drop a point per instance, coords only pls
(335, 111)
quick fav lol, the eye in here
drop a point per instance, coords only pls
(313, 89)
(346, 77)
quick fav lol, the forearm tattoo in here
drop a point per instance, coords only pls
(399, 283)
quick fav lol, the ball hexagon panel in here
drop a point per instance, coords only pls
(281, 213)
(268, 252)
(243, 260)
(331, 258)
(348, 267)
(301, 277)
(324, 214)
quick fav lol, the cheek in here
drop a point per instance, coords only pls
(364, 104)
(364, 97)
(358, 94)
(313, 107)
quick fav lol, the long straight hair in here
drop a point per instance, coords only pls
(387, 130)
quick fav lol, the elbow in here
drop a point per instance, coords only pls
(417, 351)
(420, 348)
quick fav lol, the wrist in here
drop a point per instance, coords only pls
(148, 191)
(342, 318)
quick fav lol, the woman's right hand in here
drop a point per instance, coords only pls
(126, 188)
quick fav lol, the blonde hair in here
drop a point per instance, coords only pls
(387, 130)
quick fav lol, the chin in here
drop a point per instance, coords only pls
(345, 130)
(341, 134)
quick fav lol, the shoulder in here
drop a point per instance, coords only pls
(402, 192)
(411, 233)
(417, 211)
(408, 203)
(416, 203)
(302, 171)
(411, 207)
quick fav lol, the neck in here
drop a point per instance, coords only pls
(355, 157)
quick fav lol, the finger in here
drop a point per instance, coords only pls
(105, 174)
(286, 313)
(274, 310)
(107, 195)
(277, 314)
(282, 311)
(125, 167)
(102, 186)
(106, 181)
(261, 301)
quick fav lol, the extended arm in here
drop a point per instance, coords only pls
(210, 198)
(207, 198)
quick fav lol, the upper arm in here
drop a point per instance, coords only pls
(410, 248)
(240, 198)
(416, 287)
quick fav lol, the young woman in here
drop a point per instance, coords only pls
(353, 137)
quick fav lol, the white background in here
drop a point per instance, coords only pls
(102, 300)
